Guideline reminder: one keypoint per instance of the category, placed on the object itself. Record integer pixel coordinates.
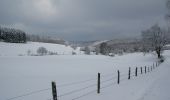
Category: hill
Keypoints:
(21, 49)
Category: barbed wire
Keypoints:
(108, 85)
(124, 78)
(75, 83)
(84, 95)
(106, 75)
(125, 74)
(27, 94)
(77, 90)
(83, 81)
(110, 79)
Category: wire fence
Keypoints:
(30, 93)
(108, 80)
(77, 90)
(88, 93)
(76, 83)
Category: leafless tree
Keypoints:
(87, 50)
(42, 51)
(154, 39)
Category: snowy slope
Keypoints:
(97, 43)
(15, 49)
(26, 74)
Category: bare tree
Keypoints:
(87, 50)
(154, 39)
(42, 51)
(97, 50)
(103, 48)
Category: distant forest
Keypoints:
(12, 35)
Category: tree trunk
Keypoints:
(158, 53)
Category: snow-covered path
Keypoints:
(160, 89)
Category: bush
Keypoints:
(42, 51)
(52, 53)
(73, 53)
(87, 50)
(29, 52)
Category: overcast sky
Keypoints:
(82, 19)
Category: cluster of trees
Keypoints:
(87, 50)
(42, 51)
(118, 47)
(18, 36)
(104, 48)
(153, 39)
(12, 35)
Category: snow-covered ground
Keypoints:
(19, 49)
(29, 77)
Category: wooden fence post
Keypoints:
(129, 73)
(98, 84)
(118, 79)
(136, 71)
(145, 69)
(54, 90)
(153, 66)
(141, 70)
(148, 69)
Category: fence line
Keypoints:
(121, 77)
(58, 86)
(114, 83)
(83, 81)
(125, 77)
(138, 71)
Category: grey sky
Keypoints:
(82, 19)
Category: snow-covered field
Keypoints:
(29, 77)
(19, 49)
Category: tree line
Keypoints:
(12, 35)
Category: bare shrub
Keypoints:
(42, 51)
